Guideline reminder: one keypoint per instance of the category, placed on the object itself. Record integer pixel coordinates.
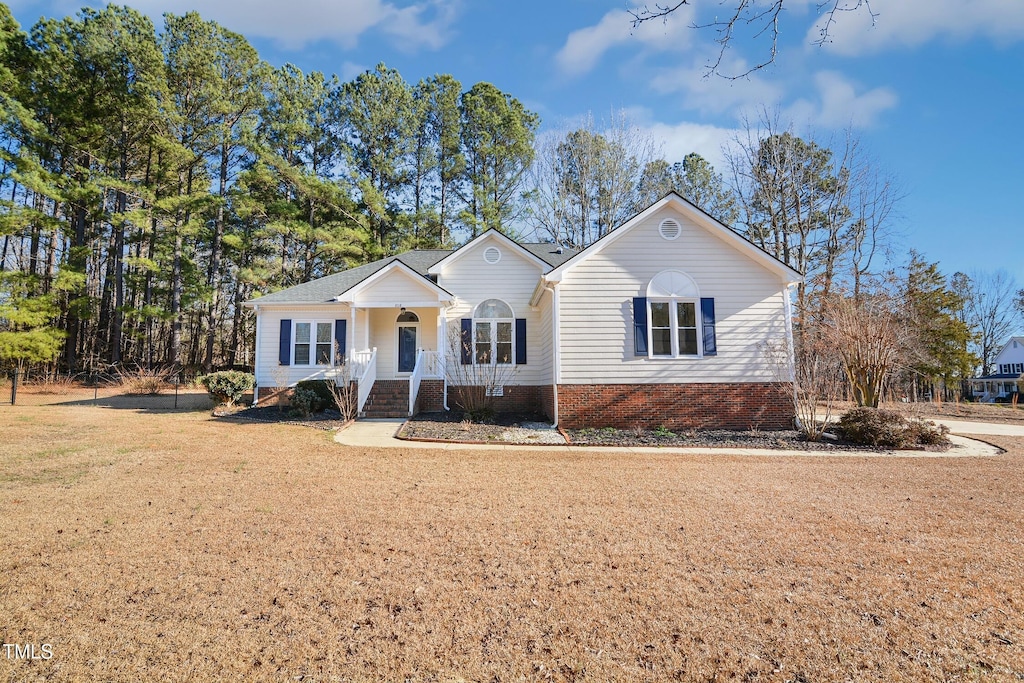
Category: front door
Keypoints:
(406, 348)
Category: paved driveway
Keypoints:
(970, 427)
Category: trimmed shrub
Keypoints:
(321, 389)
(227, 386)
(303, 401)
(926, 433)
(880, 428)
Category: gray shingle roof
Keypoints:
(325, 289)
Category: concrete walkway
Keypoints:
(381, 434)
(980, 428)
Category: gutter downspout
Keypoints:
(256, 361)
(791, 350)
(442, 357)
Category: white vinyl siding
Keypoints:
(541, 354)
(513, 279)
(1010, 357)
(268, 370)
(596, 309)
(396, 289)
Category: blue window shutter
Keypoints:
(640, 325)
(707, 317)
(284, 352)
(340, 327)
(467, 341)
(520, 341)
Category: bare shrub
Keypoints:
(811, 377)
(58, 385)
(474, 386)
(280, 376)
(344, 392)
(141, 382)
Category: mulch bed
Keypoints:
(327, 420)
(452, 427)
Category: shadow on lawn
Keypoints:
(159, 403)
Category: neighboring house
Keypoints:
(1008, 366)
(662, 322)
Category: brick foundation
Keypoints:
(270, 395)
(547, 401)
(431, 396)
(517, 398)
(675, 406)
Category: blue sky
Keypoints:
(933, 90)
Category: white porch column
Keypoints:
(442, 336)
(351, 341)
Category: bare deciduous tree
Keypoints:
(990, 311)
(869, 335)
(585, 181)
(761, 19)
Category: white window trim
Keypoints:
(494, 334)
(673, 312)
(312, 343)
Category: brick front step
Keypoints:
(387, 399)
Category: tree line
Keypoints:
(153, 180)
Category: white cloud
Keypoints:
(838, 104)
(910, 23)
(714, 94)
(676, 140)
(350, 70)
(296, 23)
(585, 47)
(681, 138)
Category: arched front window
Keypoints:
(672, 300)
(492, 333)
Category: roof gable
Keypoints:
(496, 237)
(1011, 353)
(700, 218)
(400, 269)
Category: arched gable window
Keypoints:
(493, 341)
(673, 302)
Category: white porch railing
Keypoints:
(364, 371)
(428, 364)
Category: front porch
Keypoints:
(398, 354)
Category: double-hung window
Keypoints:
(492, 333)
(314, 342)
(673, 328)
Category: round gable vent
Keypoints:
(670, 229)
(492, 254)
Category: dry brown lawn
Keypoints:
(148, 544)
